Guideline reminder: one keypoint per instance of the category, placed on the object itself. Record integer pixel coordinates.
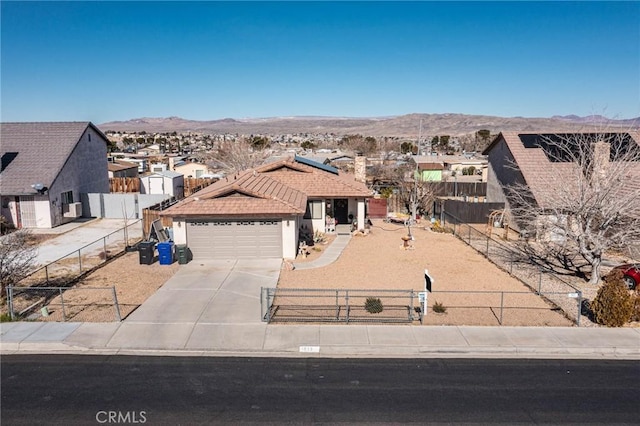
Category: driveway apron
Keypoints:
(212, 292)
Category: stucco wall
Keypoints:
(289, 237)
(84, 171)
(431, 175)
(179, 231)
(501, 172)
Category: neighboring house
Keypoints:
(458, 164)
(166, 182)
(267, 211)
(341, 161)
(191, 169)
(157, 167)
(430, 172)
(122, 169)
(518, 159)
(45, 169)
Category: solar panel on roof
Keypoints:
(315, 164)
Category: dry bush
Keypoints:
(635, 315)
(613, 305)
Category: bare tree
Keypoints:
(416, 194)
(235, 156)
(16, 258)
(588, 204)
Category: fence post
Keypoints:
(10, 297)
(411, 311)
(46, 272)
(337, 307)
(579, 309)
(115, 302)
(64, 313)
(510, 262)
(346, 299)
(104, 245)
(539, 279)
(487, 247)
(469, 226)
(501, 305)
(79, 261)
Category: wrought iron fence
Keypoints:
(545, 283)
(82, 304)
(337, 305)
(73, 265)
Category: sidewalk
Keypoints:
(348, 341)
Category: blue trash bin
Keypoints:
(165, 253)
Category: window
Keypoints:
(314, 210)
(199, 173)
(67, 197)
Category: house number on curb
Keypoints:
(310, 349)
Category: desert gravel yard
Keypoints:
(379, 261)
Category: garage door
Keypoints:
(231, 239)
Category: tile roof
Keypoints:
(277, 188)
(42, 150)
(540, 173)
(250, 194)
(313, 181)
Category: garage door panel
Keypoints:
(234, 239)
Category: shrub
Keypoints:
(613, 305)
(5, 317)
(437, 227)
(439, 308)
(373, 305)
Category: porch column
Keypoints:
(361, 217)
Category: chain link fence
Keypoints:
(71, 266)
(483, 308)
(85, 304)
(49, 292)
(544, 283)
(337, 305)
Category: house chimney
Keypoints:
(360, 168)
(601, 153)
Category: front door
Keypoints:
(341, 210)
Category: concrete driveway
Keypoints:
(204, 305)
(76, 235)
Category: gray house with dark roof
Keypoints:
(45, 167)
(525, 159)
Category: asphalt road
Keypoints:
(73, 390)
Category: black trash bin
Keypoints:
(146, 250)
(182, 252)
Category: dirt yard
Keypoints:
(134, 283)
(372, 262)
(380, 261)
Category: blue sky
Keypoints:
(104, 61)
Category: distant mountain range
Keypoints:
(401, 126)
